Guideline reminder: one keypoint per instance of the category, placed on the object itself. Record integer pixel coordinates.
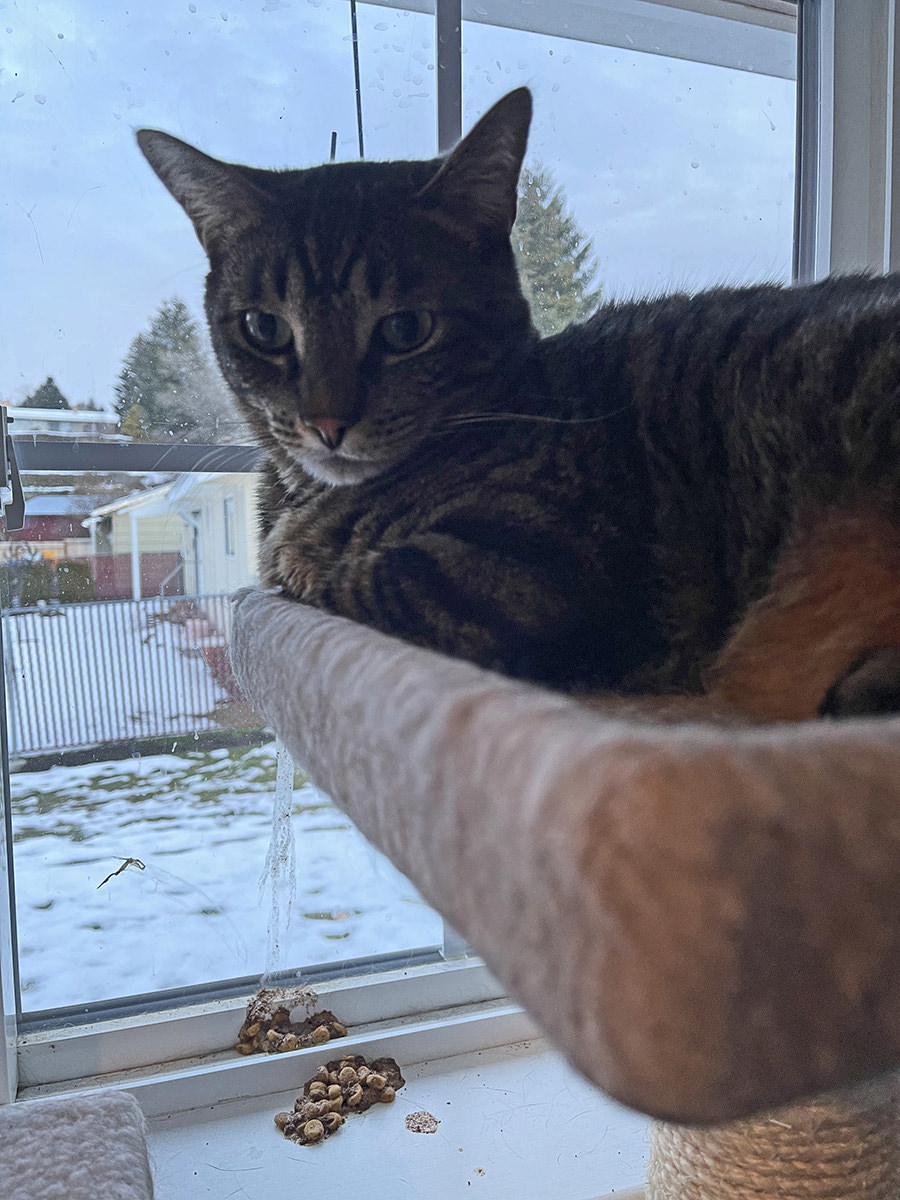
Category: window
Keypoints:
(124, 723)
(668, 132)
(683, 177)
(228, 525)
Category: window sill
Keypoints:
(201, 1036)
(515, 1121)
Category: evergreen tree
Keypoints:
(553, 254)
(168, 388)
(142, 377)
(134, 424)
(47, 395)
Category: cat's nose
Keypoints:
(330, 430)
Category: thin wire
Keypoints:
(355, 39)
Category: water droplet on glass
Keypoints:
(41, 99)
(381, 26)
(192, 8)
(61, 36)
(694, 164)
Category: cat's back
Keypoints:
(686, 330)
(743, 370)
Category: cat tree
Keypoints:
(706, 921)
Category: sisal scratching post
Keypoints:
(843, 1146)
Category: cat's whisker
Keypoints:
(484, 418)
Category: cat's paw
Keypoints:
(294, 562)
(297, 574)
(869, 687)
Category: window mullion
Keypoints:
(10, 1008)
(848, 205)
(892, 172)
(807, 186)
(448, 37)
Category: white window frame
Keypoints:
(847, 219)
(848, 194)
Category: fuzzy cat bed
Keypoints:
(706, 921)
(77, 1148)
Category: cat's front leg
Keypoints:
(297, 559)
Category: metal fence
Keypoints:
(82, 675)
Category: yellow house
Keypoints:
(220, 530)
(136, 525)
(209, 520)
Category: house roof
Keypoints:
(146, 499)
(59, 505)
(167, 498)
(21, 416)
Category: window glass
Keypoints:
(142, 786)
(680, 173)
(148, 872)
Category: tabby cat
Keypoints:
(696, 491)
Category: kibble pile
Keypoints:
(268, 1028)
(337, 1090)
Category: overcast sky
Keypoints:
(681, 173)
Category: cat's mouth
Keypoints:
(339, 466)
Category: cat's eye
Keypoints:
(405, 331)
(267, 332)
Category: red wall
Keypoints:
(112, 575)
(49, 529)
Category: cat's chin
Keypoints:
(340, 471)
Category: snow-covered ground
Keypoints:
(201, 824)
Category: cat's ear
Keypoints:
(475, 187)
(217, 197)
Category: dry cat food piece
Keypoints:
(338, 1088)
(268, 1028)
